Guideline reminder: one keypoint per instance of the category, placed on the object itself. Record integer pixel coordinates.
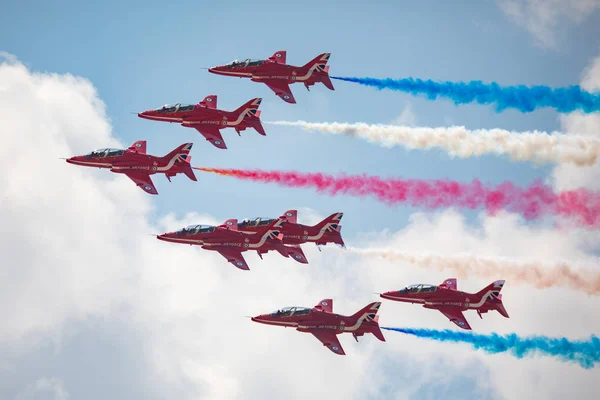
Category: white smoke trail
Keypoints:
(536, 146)
(537, 274)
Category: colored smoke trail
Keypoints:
(581, 205)
(460, 142)
(522, 98)
(584, 353)
(538, 274)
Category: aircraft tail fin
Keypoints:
(491, 293)
(332, 226)
(321, 72)
(181, 156)
(328, 222)
(251, 115)
(368, 317)
(178, 152)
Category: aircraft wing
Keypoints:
(457, 317)
(143, 180)
(212, 134)
(235, 257)
(329, 340)
(281, 89)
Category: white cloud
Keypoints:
(79, 255)
(545, 19)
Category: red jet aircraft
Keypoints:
(324, 324)
(277, 75)
(208, 120)
(451, 302)
(137, 165)
(230, 243)
(294, 234)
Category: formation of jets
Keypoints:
(283, 234)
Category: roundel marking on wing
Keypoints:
(148, 187)
(324, 303)
(138, 145)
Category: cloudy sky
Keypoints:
(93, 307)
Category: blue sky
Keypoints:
(145, 54)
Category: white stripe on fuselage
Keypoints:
(94, 164)
(426, 302)
(178, 240)
(218, 123)
(343, 328)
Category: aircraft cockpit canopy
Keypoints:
(260, 221)
(102, 153)
(195, 229)
(246, 63)
(290, 311)
(418, 288)
(175, 108)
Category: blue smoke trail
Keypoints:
(523, 98)
(585, 353)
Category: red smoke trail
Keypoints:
(531, 202)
